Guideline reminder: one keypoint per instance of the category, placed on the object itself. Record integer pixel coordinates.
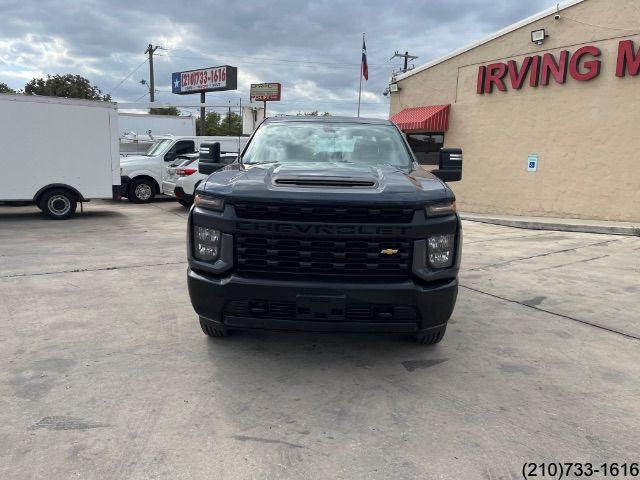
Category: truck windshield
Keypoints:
(355, 143)
(158, 147)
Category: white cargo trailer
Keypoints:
(57, 152)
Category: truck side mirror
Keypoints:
(170, 156)
(450, 167)
(209, 162)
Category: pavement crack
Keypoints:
(82, 270)
(505, 238)
(245, 438)
(570, 263)
(561, 315)
(573, 249)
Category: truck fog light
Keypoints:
(207, 243)
(440, 250)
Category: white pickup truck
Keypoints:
(141, 176)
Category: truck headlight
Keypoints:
(440, 209)
(440, 250)
(211, 203)
(206, 242)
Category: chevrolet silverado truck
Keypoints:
(325, 224)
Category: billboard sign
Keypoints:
(211, 79)
(265, 92)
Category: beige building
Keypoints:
(547, 112)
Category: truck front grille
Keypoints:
(323, 213)
(370, 257)
(276, 310)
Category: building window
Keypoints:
(426, 147)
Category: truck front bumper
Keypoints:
(237, 302)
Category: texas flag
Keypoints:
(364, 67)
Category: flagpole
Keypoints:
(360, 89)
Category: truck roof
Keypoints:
(328, 119)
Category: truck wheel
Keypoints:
(141, 191)
(431, 337)
(212, 331)
(58, 204)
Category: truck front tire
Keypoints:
(58, 204)
(141, 190)
(432, 336)
(212, 331)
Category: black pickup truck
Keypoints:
(326, 224)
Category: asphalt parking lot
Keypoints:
(107, 374)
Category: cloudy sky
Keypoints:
(312, 47)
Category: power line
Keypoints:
(276, 60)
(140, 97)
(607, 27)
(129, 75)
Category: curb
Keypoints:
(573, 226)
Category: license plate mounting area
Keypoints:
(321, 307)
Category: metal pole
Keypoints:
(360, 89)
(265, 108)
(152, 84)
(241, 126)
(202, 115)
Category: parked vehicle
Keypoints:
(177, 172)
(132, 143)
(144, 123)
(326, 224)
(188, 179)
(58, 152)
(138, 131)
(142, 175)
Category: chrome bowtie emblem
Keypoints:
(389, 251)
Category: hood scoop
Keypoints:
(325, 181)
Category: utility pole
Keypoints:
(406, 57)
(150, 50)
(203, 114)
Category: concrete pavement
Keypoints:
(107, 374)
(558, 224)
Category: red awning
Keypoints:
(431, 119)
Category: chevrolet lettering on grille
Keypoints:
(321, 229)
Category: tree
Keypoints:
(165, 111)
(69, 86)
(211, 123)
(4, 88)
(231, 125)
(214, 124)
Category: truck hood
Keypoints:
(134, 159)
(327, 183)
